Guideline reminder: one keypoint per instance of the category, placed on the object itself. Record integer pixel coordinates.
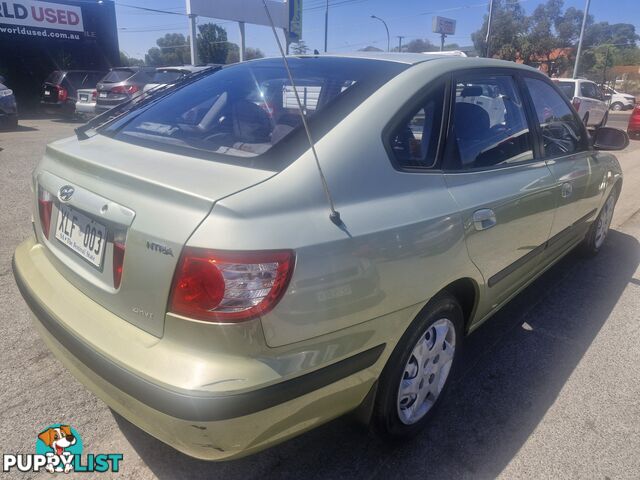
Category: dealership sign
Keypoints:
(53, 16)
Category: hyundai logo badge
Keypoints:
(65, 193)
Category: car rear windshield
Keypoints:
(246, 110)
(567, 88)
(118, 75)
(167, 76)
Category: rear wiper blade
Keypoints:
(137, 102)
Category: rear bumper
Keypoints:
(85, 108)
(204, 424)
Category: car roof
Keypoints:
(573, 80)
(455, 62)
(184, 68)
(408, 58)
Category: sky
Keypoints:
(350, 24)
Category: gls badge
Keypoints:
(156, 247)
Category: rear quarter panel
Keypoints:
(402, 239)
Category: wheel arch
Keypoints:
(467, 292)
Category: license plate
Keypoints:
(84, 236)
(47, 93)
(103, 94)
(84, 98)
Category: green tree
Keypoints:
(568, 26)
(249, 53)
(127, 61)
(172, 49)
(508, 31)
(607, 45)
(299, 48)
(419, 45)
(371, 48)
(213, 46)
(540, 39)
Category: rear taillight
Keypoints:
(45, 204)
(130, 89)
(94, 95)
(576, 103)
(62, 93)
(119, 242)
(229, 287)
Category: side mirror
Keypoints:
(607, 138)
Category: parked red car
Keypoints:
(633, 129)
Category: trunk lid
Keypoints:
(150, 200)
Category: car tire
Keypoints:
(423, 361)
(599, 229)
(617, 107)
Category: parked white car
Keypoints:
(587, 99)
(618, 101)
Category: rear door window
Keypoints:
(489, 123)
(568, 89)
(561, 132)
(589, 90)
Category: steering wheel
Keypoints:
(559, 138)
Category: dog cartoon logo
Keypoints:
(60, 443)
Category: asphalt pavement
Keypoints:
(619, 119)
(550, 387)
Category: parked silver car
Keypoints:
(197, 267)
(120, 85)
(86, 102)
(165, 76)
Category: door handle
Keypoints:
(567, 190)
(484, 219)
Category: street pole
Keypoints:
(604, 70)
(242, 42)
(584, 23)
(193, 40)
(400, 37)
(387, 29)
(442, 37)
(487, 40)
(326, 25)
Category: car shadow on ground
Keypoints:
(19, 128)
(513, 369)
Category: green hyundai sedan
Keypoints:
(225, 286)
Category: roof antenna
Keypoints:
(334, 216)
